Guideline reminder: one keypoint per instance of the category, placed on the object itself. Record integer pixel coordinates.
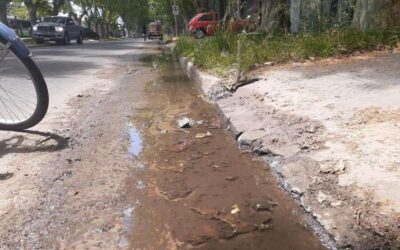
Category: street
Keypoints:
(111, 168)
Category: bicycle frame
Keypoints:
(9, 38)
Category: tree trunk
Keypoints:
(107, 30)
(32, 10)
(274, 15)
(3, 11)
(102, 30)
(295, 10)
(345, 12)
(376, 14)
(56, 8)
(33, 14)
(202, 5)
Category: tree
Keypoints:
(376, 14)
(32, 6)
(274, 15)
(56, 6)
(3, 10)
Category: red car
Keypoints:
(206, 24)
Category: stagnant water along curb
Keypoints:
(209, 85)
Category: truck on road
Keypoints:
(59, 29)
(154, 31)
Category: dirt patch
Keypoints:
(64, 189)
(373, 115)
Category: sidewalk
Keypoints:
(331, 132)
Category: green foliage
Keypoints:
(219, 53)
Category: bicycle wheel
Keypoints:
(24, 97)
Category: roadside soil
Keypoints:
(330, 129)
(63, 185)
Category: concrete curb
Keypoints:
(204, 81)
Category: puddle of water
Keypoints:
(135, 141)
(123, 242)
(127, 225)
(138, 165)
(193, 182)
(140, 185)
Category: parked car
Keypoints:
(90, 34)
(205, 24)
(154, 31)
(59, 29)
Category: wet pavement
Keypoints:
(194, 187)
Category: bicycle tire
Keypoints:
(42, 96)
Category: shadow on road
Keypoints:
(32, 141)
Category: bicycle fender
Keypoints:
(14, 41)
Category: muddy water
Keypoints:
(195, 188)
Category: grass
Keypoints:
(221, 52)
(28, 41)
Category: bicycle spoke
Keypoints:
(18, 98)
(7, 109)
(10, 100)
(4, 52)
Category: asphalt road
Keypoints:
(69, 70)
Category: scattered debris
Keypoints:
(71, 161)
(235, 209)
(266, 224)
(231, 178)
(185, 122)
(321, 197)
(266, 205)
(201, 211)
(175, 170)
(176, 194)
(203, 135)
(330, 167)
(337, 204)
(200, 122)
(181, 146)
